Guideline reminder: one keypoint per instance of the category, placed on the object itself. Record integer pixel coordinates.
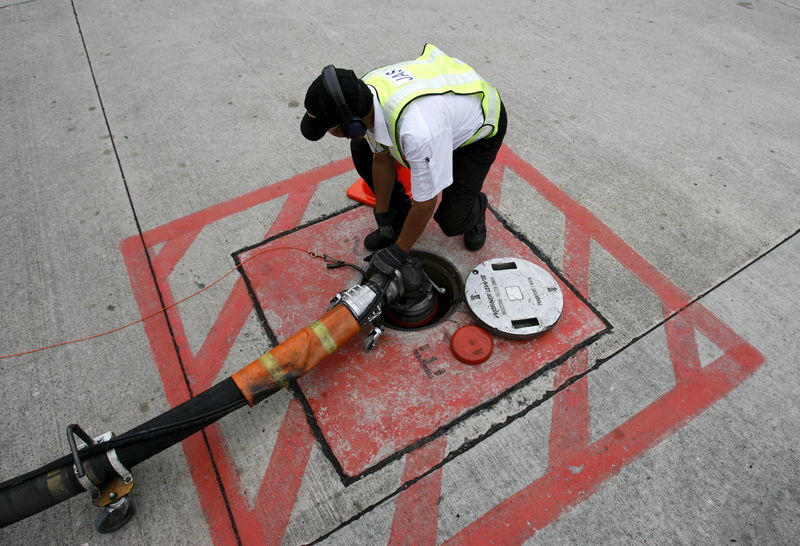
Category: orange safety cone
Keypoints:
(361, 193)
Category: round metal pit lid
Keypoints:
(513, 298)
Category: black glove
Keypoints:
(393, 258)
(388, 260)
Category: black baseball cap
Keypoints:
(321, 112)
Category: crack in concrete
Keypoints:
(18, 4)
(696, 299)
(110, 133)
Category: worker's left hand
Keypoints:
(388, 260)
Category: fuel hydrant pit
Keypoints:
(443, 274)
(369, 408)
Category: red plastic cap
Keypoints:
(471, 344)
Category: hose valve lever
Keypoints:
(110, 496)
(72, 431)
(372, 338)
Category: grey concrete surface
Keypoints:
(64, 211)
(677, 125)
(731, 474)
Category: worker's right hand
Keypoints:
(387, 260)
(392, 259)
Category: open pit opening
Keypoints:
(444, 275)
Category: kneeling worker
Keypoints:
(435, 115)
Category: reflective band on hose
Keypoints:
(324, 336)
(56, 485)
(273, 369)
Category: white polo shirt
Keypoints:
(430, 128)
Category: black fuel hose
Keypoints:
(55, 482)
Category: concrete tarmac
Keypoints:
(651, 163)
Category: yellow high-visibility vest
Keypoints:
(433, 73)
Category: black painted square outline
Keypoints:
(311, 419)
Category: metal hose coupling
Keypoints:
(366, 301)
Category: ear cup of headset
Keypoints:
(355, 128)
(352, 126)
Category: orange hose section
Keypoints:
(296, 355)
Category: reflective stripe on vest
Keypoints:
(434, 73)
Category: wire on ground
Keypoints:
(324, 257)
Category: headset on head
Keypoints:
(352, 126)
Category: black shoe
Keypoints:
(475, 237)
(380, 238)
